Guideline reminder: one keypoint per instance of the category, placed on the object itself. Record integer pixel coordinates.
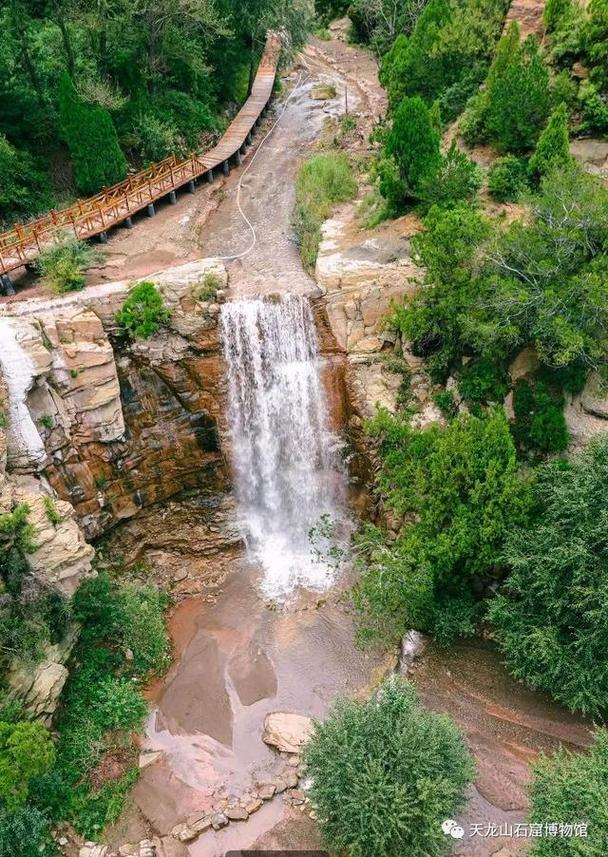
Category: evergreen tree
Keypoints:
(518, 96)
(408, 68)
(555, 12)
(91, 137)
(413, 142)
(553, 147)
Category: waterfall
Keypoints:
(286, 462)
(25, 446)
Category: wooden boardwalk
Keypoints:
(94, 216)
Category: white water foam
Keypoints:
(25, 445)
(286, 461)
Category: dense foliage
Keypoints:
(123, 642)
(91, 138)
(322, 181)
(143, 313)
(82, 86)
(32, 615)
(550, 621)
(446, 55)
(458, 490)
(493, 290)
(579, 34)
(573, 788)
(26, 751)
(385, 774)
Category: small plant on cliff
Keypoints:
(385, 774)
(573, 787)
(62, 265)
(323, 181)
(51, 510)
(208, 288)
(143, 313)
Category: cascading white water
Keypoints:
(286, 461)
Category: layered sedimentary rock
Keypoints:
(120, 427)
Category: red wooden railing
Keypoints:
(95, 215)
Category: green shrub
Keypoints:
(26, 751)
(446, 55)
(323, 181)
(461, 487)
(24, 833)
(385, 774)
(94, 812)
(391, 189)
(519, 99)
(409, 69)
(573, 787)
(516, 101)
(432, 319)
(555, 12)
(143, 313)
(123, 642)
(208, 287)
(549, 620)
(458, 178)
(539, 417)
(128, 616)
(91, 137)
(24, 189)
(483, 381)
(553, 147)
(544, 281)
(594, 107)
(508, 179)
(63, 263)
(413, 144)
(446, 403)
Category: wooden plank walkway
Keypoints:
(95, 215)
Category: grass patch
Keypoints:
(323, 92)
(323, 181)
(373, 210)
(51, 510)
(323, 34)
(63, 263)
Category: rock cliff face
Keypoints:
(98, 431)
(115, 429)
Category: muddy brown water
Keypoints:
(236, 660)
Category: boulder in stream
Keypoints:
(287, 732)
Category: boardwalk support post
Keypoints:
(103, 237)
(191, 186)
(237, 158)
(172, 197)
(129, 222)
(226, 168)
(210, 176)
(249, 138)
(150, 210)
